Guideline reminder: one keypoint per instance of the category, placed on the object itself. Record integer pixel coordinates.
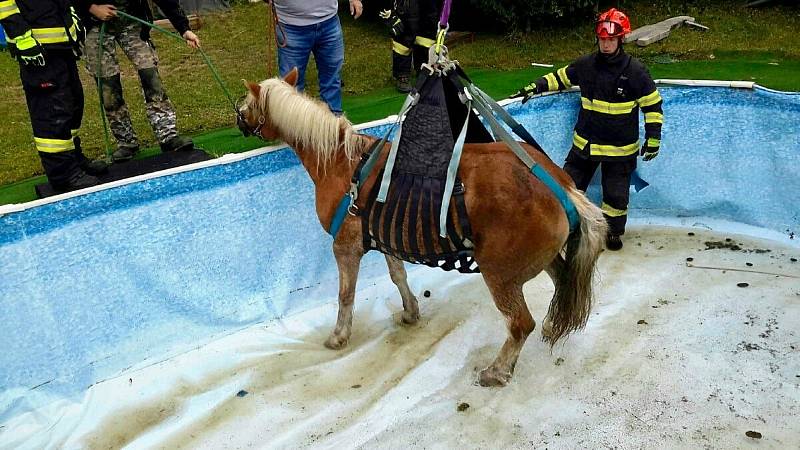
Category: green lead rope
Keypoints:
(99, 79)
(98, 72)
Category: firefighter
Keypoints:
(134, 39)
(45, 36)
(413, 25)
(614, 87)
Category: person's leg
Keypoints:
(299, 42)
(580, 169)
(616, 178)
(402, 48)
(76, 90)
(425, 35)
(50, 104)
(159, 109)
(107, 69)
(329, 55)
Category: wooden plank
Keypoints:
(195, 23)
(458, 37)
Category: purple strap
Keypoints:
(445, 13)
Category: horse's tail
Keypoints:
(572, 301)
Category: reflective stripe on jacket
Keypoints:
(49, 21)
(613, 90)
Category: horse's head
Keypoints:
(253, 115)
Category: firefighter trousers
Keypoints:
(55, 102)
(615, 180)
(410, 46)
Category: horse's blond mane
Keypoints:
(304, 122)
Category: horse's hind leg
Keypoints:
(509, 300)
(348, 263)
(398, 273)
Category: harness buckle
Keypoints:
(353, 209)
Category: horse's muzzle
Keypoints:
(242, 124)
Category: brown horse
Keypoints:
(518, 226)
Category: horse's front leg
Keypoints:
(397, 272)
(348, 262)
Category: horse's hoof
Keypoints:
(335, 342)
(409, 318)
(491, 376)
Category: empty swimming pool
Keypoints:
(123, 281)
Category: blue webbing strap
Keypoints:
(561, 195)
(338, 216)
(499, 131)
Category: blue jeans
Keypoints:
(325, 40)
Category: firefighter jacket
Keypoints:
(52, 23)
(613, 89)
(139, 8)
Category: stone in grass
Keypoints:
(753, 434)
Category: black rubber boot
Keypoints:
(98, 167)
(403, 84)
(80, 180)
(177, 144)
(613, 242)
(94, 168)
(123, 154)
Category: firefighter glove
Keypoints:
(28, 50)
(394, 22)
(526, 93)
(649, 152)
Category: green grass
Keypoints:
(743, 44)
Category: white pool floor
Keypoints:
(672, 357)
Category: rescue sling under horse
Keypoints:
(518, 226)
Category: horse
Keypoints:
(519, 228)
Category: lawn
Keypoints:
(743, 44)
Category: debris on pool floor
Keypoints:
(673, 354)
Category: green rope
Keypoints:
(180, 38)
(100, 91)
(98, 72)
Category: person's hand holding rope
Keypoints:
(191, 39)
(103, 13)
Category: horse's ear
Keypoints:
(291, 77)
(254, 88)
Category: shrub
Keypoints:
(522, 15)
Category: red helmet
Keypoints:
(612, 23)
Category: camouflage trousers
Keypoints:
(160, 111)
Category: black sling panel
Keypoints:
(414, 199)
